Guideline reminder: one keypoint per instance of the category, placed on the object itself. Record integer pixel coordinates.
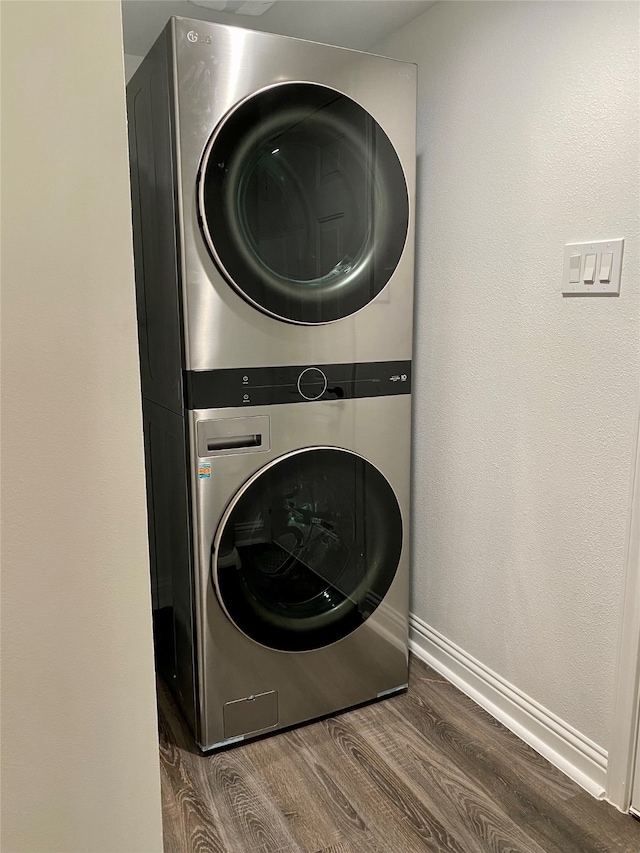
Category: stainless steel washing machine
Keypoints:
(273, 186)
(280, 544)
(272, 195)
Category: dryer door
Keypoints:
(307, 549)
(303, 203)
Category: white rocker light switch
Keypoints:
(574, 268)
(605, 267)
(589, 269)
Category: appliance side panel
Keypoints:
(170, 550)
(154, 228)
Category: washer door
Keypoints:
(307, 549)
(303, 203)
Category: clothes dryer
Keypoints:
(273, 185)
(280, 546)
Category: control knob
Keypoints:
(312, 383)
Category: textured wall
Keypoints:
(79, 733)
(525, 400)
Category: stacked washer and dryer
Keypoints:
(272, 185)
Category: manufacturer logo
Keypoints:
(193, 36)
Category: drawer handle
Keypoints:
(232, 442)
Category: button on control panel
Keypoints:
(312, 383)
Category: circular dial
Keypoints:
(312, 383)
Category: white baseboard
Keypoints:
(567, 749)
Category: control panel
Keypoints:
(264, 386)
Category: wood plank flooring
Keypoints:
(425, 771)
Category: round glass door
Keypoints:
(307, 549)
(303, 203)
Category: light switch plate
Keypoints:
(597, 287)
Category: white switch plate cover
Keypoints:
(598, 288)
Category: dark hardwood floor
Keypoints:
(423, 771)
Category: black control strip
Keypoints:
(264, 386)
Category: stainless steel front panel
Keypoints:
(217, 67)
(370, 660)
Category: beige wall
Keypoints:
(79, 743)
(525, 401)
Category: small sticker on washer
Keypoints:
(204, 470)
